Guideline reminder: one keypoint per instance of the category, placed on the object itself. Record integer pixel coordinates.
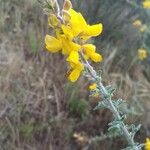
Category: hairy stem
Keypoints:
(107, 96)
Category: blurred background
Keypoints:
(40, 109)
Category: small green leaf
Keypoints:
(102, 104)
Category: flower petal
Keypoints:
(74, 46)
(67, 31)
(96, 57)
(78, 66)
(77, 18)
(76, 71)
(73, 57)
(74, 75)
(52, 44)
(93, 30)
(89, 49)
(69, 46)
(77, 22)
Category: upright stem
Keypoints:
(114, 110)
(118, 117)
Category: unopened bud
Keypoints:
(66, 16)
(53, 20)
(67, 5)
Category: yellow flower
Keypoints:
(92, 86)
(68, 32)
(89, 50)
(78, 27)
(74, 75)
(73, 57)
(147, 144)
(96, 57)
(146, 4)
(142, 54)
(68, 46)
(137, 23)
(77, 22)
(52, 44)
(96, 93)
(76, 71)
(60, 43)
(92, 30)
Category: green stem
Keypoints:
(118, 117)
(106, 95)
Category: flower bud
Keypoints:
(66, 16)
(67, 5)
(142, 54)
(53, 20)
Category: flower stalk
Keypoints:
(108, 97)
(71, 36)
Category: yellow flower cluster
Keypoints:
(146, 4)
(147, 144)
(142, 54)
(137, 23)
(70, 38)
